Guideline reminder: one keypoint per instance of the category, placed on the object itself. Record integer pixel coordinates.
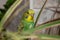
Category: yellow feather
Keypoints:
(30, 18)
(29, 15)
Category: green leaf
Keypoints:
(9, 3)
(7, 6)
(8, 13)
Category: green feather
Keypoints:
(27, 25)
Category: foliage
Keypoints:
(6, 7)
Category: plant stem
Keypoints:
(40, 13)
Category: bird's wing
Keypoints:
(20, 27)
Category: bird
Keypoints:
(27, 21)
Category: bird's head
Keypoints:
(29, 15)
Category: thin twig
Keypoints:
(40, 13)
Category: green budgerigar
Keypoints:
(27, 21)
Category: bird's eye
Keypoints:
(27, 12)
(26, 17)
